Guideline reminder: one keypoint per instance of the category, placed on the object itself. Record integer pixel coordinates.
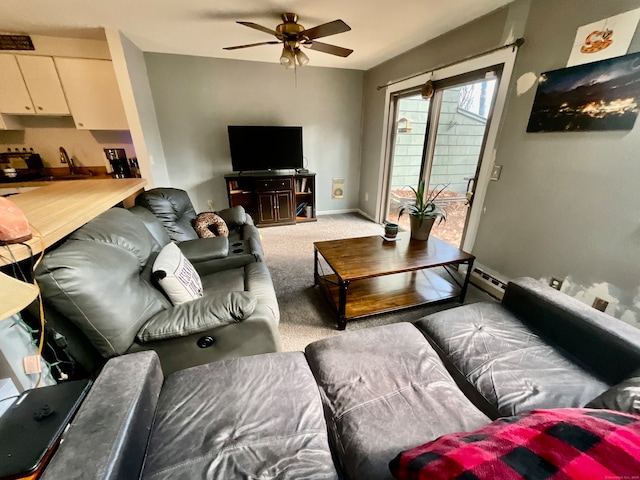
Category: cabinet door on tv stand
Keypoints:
(267, 209)
(275, 208)
(285, 207)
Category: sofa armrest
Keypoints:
(234, 216)
(607, 345)
(198, 315)
(108, 437)
(203, 249)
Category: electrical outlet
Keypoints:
(210, 204)
(555, 283)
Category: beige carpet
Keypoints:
(305, 315)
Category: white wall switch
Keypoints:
(495, 172)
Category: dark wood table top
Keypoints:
(366, 257)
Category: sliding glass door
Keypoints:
(441, 140)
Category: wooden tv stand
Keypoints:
(274, 198)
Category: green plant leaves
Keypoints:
(424, 206)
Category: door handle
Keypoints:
(470, 184)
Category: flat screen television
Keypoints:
(255, 148)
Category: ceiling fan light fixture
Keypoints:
(301, 57)
(293, 35)
(287, 58)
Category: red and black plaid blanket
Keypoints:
(559, 444)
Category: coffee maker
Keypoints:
(118, 160)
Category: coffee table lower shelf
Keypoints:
(387, 293)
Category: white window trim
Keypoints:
(506, 57)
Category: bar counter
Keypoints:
(59, 208)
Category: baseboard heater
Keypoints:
(490, 284)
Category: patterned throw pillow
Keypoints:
(569, 443)
(176, 275)
(208, 224)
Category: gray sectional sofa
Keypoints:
(99, 293)
(351, 402)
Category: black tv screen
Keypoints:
(265, 147)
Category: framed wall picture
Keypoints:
(602, 95)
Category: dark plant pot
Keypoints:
(421, 232)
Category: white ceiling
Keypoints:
(381, 29)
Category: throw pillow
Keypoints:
(542, 444)
(624, 397)
(208, 224)
(176, 275)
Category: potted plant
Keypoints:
(424, 212)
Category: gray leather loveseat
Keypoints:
(351, 402)
(173, 210)
(99, 293)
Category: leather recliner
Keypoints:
(98, 287)
(173, 208)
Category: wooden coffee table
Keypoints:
(370, 275)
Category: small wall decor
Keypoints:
(607, 38)
(602, 95)
(337, 188)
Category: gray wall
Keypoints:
(196, 98)
(475, 37)
(567, 203)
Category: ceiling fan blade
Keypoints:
(260, 27)
(332, 49)
(326, 29)
(274, 42)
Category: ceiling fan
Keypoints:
(293, 35)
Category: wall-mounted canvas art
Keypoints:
(602, 95)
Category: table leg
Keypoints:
(315, 267)
(463, 291)
(342, 304)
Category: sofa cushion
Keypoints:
(624, 396)
(249, 417)
(176, 275)
(79, 280)
(543, 444)
(208, 224)
(152, 223)
(173, 208)
(507, 362)
(385, 390)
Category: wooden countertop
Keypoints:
(14, 295)
(43, 182)
(61, 207)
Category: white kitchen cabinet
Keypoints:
(43, 84)
(14, 96)
(29, 85)
(92, 93)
